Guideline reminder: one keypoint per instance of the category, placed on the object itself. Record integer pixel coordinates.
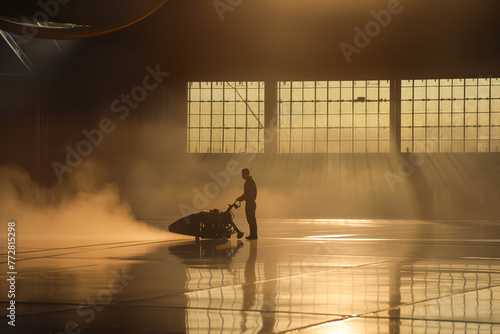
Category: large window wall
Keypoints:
(450, 115)
(333, 116)
(437, 115)
(225, 117)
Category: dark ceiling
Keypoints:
(277, 40)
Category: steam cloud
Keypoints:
(82, 208)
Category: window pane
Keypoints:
(339, 125)
(230, 118)
(450, 115)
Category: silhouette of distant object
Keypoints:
(249, 196)
(208, 224)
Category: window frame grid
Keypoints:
(455, 143)
(198, 144)
(382, 144)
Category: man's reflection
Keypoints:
(269, 294)
(249, 288)
(269, 288)
(394, 298)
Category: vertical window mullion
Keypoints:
(258, 116)
(211, 115)
(341, 141)
(490, 148)
(426, 112)
(235, 114)
(477, 116)
(439, 117)
(291, 122)
(328, 117)
(246, 117)
(340, 125)
(413, 116)
(366, 117)
(378, 116)
(353, 129)
(302, 118)
(464, 134)
(315, 115)
(452, 113)
(223, 117)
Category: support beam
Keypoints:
(271, 109)
(18, 51)
(395, 116)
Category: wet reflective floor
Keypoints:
(303, 276)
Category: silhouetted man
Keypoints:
(249, 197)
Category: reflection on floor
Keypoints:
(309, 276)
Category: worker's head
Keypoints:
(245, 173)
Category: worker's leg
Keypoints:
(250, 208)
